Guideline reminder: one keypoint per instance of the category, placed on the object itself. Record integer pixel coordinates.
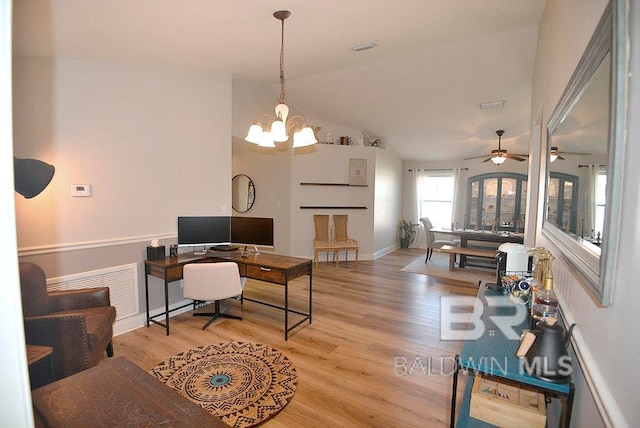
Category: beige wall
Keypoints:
(153, 143)
(606, 385)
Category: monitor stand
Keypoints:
(245, 253)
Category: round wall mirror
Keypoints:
(243, 193)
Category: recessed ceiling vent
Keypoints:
(491, 104)
(364, 47)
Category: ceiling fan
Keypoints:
(499, 155)
(554, 154)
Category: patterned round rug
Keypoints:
(241, 383)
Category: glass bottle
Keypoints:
(537, 273)
(545, 302)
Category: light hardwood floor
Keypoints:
(363, 362)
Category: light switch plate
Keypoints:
(81, 190)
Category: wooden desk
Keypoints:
(116, 393)
(272, 268)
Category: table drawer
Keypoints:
(266, 274)
(174, 273)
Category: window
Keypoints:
(601, 199)
(435, 198)
(497, 199)
(562, 201)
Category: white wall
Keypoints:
(324, 163)
(387, 201)
(605, 338)
(151, 142)
(15, 398)
(270, 171)
(154, 143)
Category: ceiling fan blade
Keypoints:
(561, 158)
(487, 159)
(574, 153)
(514, 157)
(476, 157)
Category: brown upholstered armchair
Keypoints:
(77, 324)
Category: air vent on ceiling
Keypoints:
(491, 104)
(363, 47)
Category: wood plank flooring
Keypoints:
(363, 362)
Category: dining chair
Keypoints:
(432, 242)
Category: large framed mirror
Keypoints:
(243, 193)
(584, 152)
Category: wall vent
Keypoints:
(121, 280)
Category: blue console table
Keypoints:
(494, 354)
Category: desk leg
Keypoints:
(166, 303)
(454, 392)
(146, 293)
(286, 309)
(310, 292)
(567, 407)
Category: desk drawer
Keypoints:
(174, 273)
(266, 274)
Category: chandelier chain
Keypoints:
(282, 99)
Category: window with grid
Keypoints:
(436, 198)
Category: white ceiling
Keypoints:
(419, 90)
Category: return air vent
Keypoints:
(121, 280)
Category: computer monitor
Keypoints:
(204, 230)
(252, 231)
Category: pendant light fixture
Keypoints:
(267, 129)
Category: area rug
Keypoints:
(241, 383)
(439, 266)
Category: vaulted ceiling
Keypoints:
(419, 89)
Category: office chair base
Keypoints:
(215, 315)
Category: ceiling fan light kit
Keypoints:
(555, 154)
(499, 156)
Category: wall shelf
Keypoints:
(334, 184)
(326, 207)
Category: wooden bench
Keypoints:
(477, 252)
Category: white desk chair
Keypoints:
(212, 282)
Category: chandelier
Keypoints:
(267, 129)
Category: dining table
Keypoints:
(466, 235)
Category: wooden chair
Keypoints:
(432, 242)
(322, 241)
(342, 240)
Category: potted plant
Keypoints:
(408, 233)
